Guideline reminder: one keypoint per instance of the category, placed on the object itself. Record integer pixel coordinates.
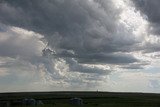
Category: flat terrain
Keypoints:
(90, 99)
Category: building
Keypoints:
(76, 101)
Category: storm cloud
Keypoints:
(84, 27)
(150, 9)
(77, 41)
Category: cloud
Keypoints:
(134, 82)
(16, 42)
(133, 67)
(66, 41)
(84, 27)
(151, 10)
(23, 52)
(74, 66)
(155, 84)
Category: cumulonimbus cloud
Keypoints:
(77, 33)
(84, 27)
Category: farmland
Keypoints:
(90, 99)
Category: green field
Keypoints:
(90, 99)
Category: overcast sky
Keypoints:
(58, 45)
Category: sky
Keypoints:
(80, 45)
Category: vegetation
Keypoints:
(90, 99)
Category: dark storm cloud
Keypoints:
(87, 31)
(107, 58)
(100, 58)
(151, 9)
(74, 66)
(134, 66)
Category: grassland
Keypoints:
(90, 99)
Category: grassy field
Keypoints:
(90, 99)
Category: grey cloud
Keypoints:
(133, 66)
(14, 44)
(2, 28)
(151, 47)
(83, 27)
(108, 58)
(74, 66)
(101, 58)
(151, 9)
(77, 31)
